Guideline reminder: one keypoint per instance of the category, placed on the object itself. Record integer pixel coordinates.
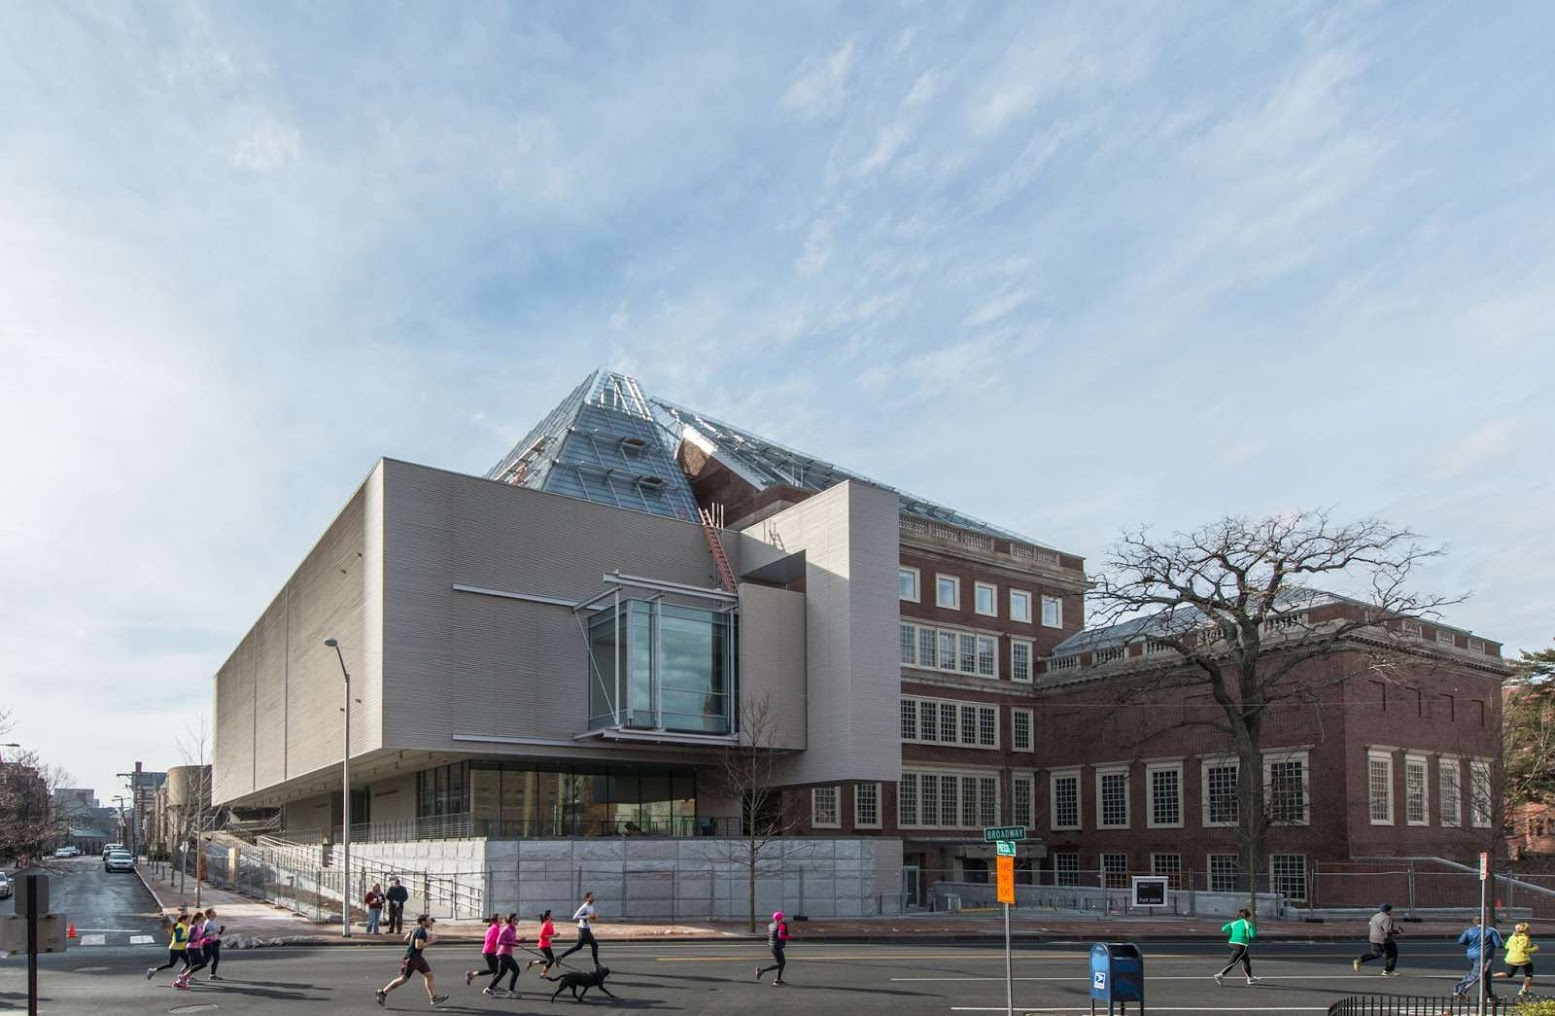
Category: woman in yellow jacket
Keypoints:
(1519, 957)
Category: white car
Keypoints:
(67, 852)
(119, 860)
(5, 885)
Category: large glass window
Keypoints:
(1220, 792)
(1379, 788)
(656, 665)
(505, 801)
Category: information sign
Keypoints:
(993, 834)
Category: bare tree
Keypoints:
(748, 774)
(1528, 731)
(1230, 608)
(194, 817)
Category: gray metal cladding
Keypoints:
(772, 660)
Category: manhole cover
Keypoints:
(202, 1007)
(90, 970)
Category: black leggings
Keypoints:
(777, 954)
(197, 960)
(509, 966)
(213, 953)
(585, 938)
(491, 964)
(1238, 955)
(174, 957)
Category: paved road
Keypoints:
(715, 978)
(108, 909)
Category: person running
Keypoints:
(194, 950)
(396, 897)
(506, 940)
(415, 962)
(547, 932)
(1519, 956)
(488, 949)
(1482, 944)
(374, 901)
(1242, 934)
(177, 946)
(1380, 933)
(585, 915)
(777, 941)
(213, 933)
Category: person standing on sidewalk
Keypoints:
(777, 941)
(585, 915)
(415, 962)
(1482, 944)
(397, 896)
(488, 950)
(1380, 933)
(1242, 933)
(373, 901)
(547, 933)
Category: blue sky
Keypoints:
(1066, 267)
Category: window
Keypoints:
(823, 808)
(1221, 806)
(928, 804)
(926, 647)
(1449, 780)
(945, 722)
(1446, 637)
(968, 659)
(987, 656)
(1165, 795)
(907, 584)
(988, 726)
(928, 713)
(1020, 661)
(907, 800)
(1064, 789)
(1479, 793)
(1379, 787)
(909, 719)
(1020, 729)
(987, 801)
(968, 724)
(947, 650)
(1225, 873)
(1066, 868)
(1168, 865)
(1414, 791)
(1020, 605)
(909, 641)
(1285, 787)
(1112, 798)
(1052, 612)
(1476, 645)
(866, 806)
(1022, 791)
(945, 800)
(1288, 875)
(1409, 627)
(1114, 871)
(948, 730)
(947, 592)
(674, 666)
(985, 599)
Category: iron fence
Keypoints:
(1420, 1005)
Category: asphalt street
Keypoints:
(109, 909)
(708, 978)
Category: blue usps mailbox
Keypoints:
(1117, 976)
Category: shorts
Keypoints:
(414, 965)
(1526, 968)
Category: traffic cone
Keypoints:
(71, 931)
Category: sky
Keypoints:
(1067, 267)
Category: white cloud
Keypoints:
(268, 147)
(820, 87)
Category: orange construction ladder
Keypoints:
(715, 544)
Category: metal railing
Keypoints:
(1420, 1005)
(459, 827)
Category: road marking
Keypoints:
(1153, 1008)
(94, 940)
(1169, 977)
(141, 939)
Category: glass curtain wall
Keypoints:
(662, 666)
(509, 801)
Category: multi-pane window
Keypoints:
(1052, 612)
(866, 805)
(985, 599)
(1169, 866)
(1066, 868)
(1020, 605)
(928, 788)
(1288, 875)
(949, 814)
(987, 727)
(1286, 781)
(1022, 789)
(947, 651)
(1479, 793)
(1020, 661)
(823, 807)
(1114, 870)
(1449, 779)
(1225, 873)
(943, 722)
(1379, 788)
(926, 647)
(968, 725)
(1165, 795)
(909, 644)
(947, 592)
(949, 732)
(943, 800)
(1220, 797)
(907, 799)
(1020, 729)
(907, 584)
(987, 656)
(1065, 793)
(1414, 791)
(1112, 799)
(987, 801)
(928, 716)
(967, 661)
(909, 720)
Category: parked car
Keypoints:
(119, 860)
(110, 848)
(67, 852)
(5, 885)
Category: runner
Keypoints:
(1482, 944)
(547, 932)
(415, 961)
(396, 897)
(777, 941)
(1519, 957)
(488, 950)
(585, 914)
(1242, 934)
(505, 943)
(213, 941)
(1380, 933)
(195, 951)
(177, 946)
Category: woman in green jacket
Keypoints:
(1242, 934)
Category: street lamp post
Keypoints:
(345, 798)
(135, 809)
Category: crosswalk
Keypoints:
(113, 937)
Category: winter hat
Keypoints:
(1385, 907)
(778, 916)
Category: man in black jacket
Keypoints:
(397, 896)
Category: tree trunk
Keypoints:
(1252, 822)
(751, 887)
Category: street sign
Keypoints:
(1005, 848)
(51, 933)
(993, 834)
(1484, 866)
(1149, 891)
(1006, 879)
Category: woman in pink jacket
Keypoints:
(505, 943)
(488, 949)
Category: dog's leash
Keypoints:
(559, 963)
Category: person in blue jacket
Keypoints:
(1482, 944)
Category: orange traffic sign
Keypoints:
(1006, 879)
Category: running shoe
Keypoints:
(381, 996)
(1390, 973)
(1254, 980)
(758, 975)
(1356, 965)
(1220, 978)
(151, 972)
(469, 975)
(439, 999)
(779, 984)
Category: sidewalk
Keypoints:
(251, 924)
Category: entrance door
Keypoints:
(912, 885)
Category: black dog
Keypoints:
(575, 979)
